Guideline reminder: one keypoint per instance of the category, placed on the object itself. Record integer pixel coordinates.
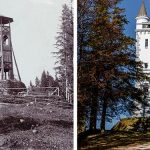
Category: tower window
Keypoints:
(144, 26)
(146, 43)
(146, 65)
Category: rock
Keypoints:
(21, 120)
(34, 131)
(31, 103)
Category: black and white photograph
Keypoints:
(36, 74)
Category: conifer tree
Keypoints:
(43, 79)
(64, 44)
(109, 70)
(50, 80)
(31, 85)
(37, 82)
(83, 27)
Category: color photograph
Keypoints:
(113, 90)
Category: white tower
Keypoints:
(143, 46)
(143, 37)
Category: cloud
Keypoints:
(49, 2)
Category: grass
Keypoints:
(135, 130)
(44, 124)
(125, 124)
(133, 124)
(112, 140)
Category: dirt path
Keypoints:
(134, 147)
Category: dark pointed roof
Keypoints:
(142, 11)
(5, 20)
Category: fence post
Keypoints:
(58, 91)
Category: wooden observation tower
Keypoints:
(6, 51)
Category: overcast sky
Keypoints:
(33, 34)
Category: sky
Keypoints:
(34, 30)
(35, 26)
(131, 11)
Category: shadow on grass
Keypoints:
(19, 123)
(11, 124)
(110, 140)
(13, 100)
(59, 123)
(67, 106)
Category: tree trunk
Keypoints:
(93, 118)
(93, 115)
(81, 119)
(103, 117)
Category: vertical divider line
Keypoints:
(2, 57)
(75, 76)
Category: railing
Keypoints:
(69, 97)
(48, 91)
(37, 92)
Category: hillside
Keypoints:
(126, 134)
(29, 123)
(133, 124)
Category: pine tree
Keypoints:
(31, 85)
(37, 82)
(64, 44)
(43, 79)
(109, 70)
(83, 27)
(50, 80)
(87, 100)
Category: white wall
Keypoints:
(142, 52)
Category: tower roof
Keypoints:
(5, 20)
(142, 11)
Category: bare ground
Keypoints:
(44, 124)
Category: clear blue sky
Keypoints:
(132, 8)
